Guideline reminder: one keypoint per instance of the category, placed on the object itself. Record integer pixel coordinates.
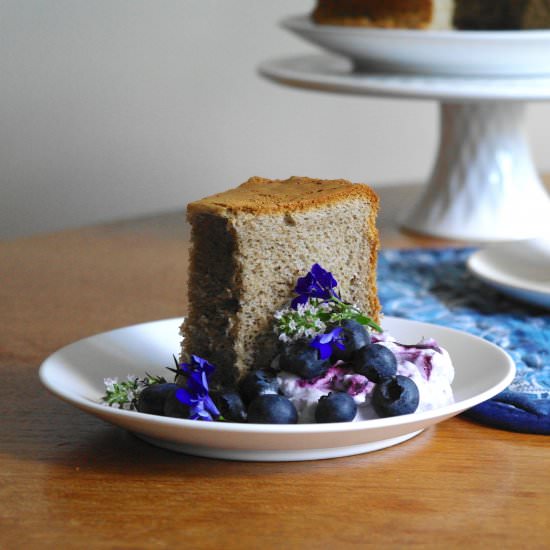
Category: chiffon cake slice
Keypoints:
(249, 246)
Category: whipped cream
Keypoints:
(426, 363)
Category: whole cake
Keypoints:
(435, 14)
(251, 243)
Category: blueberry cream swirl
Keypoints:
(426, 364)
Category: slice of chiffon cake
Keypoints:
(249, 246)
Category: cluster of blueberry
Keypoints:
(392, 395)
(258, 399)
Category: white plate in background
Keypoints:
(520, 269)
(460, 53)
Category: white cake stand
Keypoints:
(484, 185)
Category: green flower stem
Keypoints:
(349, 312)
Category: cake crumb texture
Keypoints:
(249, 246)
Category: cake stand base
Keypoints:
(484, 185)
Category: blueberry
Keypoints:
(257, 382)
(354, 336)
(376, 362)
(301, 359)
(151, 399)
(395, 396)
(174, 407)
(272, 409)
(230, 405)
(336, 407)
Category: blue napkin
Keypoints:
(434, 286)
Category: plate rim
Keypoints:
(328, 72)
(476, 263)
(92, 407)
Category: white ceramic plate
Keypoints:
(520, 269)
(466, 53)
(76, 372)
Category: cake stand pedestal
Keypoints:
(483, 185)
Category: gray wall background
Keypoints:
(116, 108)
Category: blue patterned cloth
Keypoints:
(434, 286)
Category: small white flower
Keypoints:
(319, 324)
(110, 383)
(279, 314)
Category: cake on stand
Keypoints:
(484, 186)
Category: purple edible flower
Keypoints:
(198, 364)
(195, 395)
(201, 406)
(318, 283)
(325, 343)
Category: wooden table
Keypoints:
(69, 480)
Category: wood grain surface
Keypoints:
(70, 480)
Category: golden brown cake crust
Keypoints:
(295, 194)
